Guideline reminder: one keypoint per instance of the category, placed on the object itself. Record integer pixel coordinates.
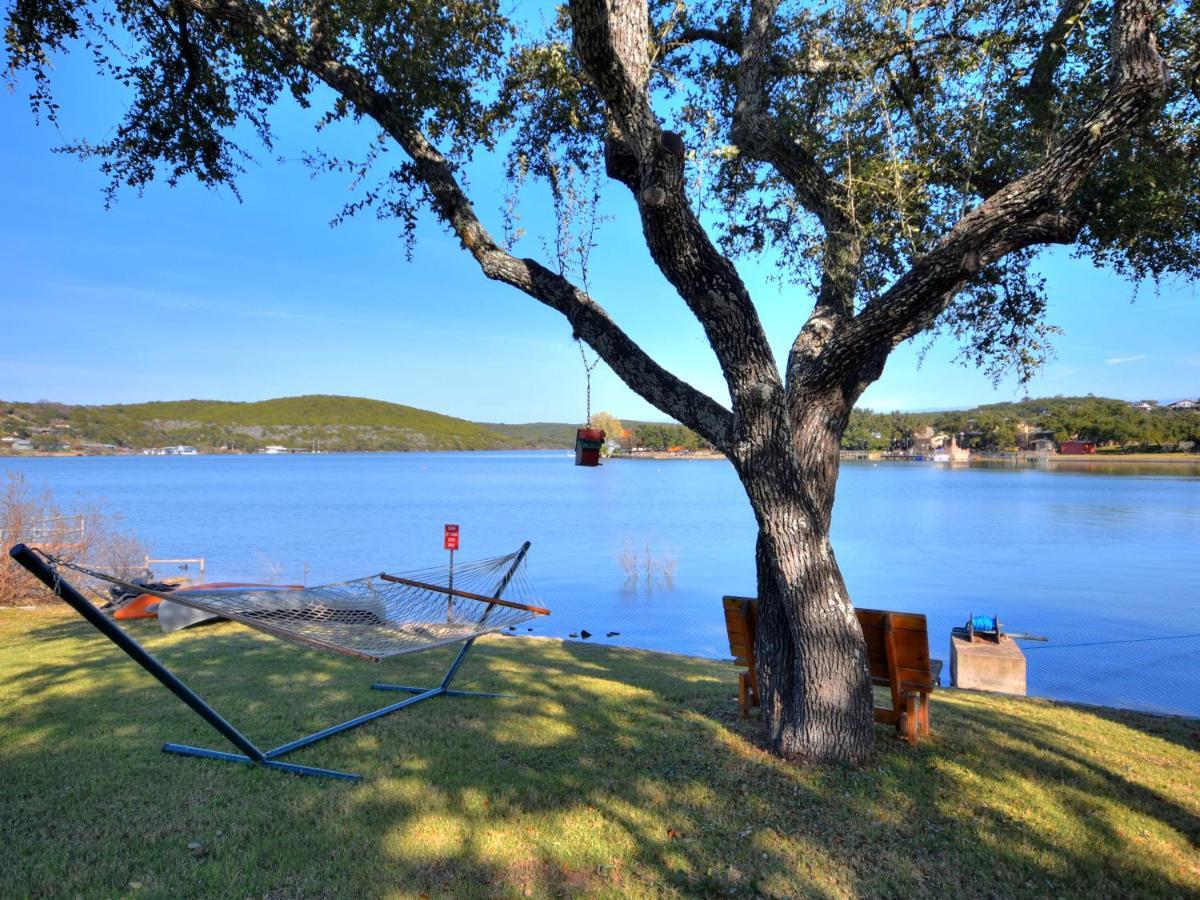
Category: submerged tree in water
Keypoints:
(902, 162)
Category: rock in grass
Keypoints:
(585, 634)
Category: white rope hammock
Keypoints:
(373, 617)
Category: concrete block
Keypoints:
(984, 665)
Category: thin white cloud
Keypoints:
(1122, 360)
(186, 302)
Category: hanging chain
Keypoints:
(587, 374)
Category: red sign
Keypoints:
(450, 541)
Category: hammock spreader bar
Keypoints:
(250, 753)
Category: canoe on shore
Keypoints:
(149, 606)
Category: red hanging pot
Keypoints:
(588, 442)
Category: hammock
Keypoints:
(371, 618)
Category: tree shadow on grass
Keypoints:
(613, 772)
(1179, 730)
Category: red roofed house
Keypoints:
(1076, 447)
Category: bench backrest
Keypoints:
(907, 635)
(741, 623)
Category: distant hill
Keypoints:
(536, 435)
(552, 435)
(330, 422)
(336, 423)
(1112, 424)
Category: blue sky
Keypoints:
(188, 293)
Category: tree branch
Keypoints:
(611, 39)
(724, 39)
(1024, 213)
(760, 137)
(1052, 54)
(634, 366)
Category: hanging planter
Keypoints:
(588, 442)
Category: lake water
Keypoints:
(1083, 557)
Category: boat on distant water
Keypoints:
(274, 448)
(178, 450)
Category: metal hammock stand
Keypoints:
(360, 618)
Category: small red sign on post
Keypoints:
(451, 538)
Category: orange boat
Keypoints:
(145, 606)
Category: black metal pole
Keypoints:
(508, 576)
(466, 648)
(350, 723)
(40, 570)
(512, 570)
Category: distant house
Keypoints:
(1144, 405)
(1184, 404)
(1077, 447)
(1031, 437)
(922, 440)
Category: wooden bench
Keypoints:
(741, 622)
(897, 649)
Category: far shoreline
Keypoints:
(1158, 459)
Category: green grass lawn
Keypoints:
(614, 773)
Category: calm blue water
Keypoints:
(1078, 556)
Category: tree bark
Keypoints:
(813, 675)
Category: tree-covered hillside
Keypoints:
(1003, 426)
(536, 435)
(330, 422)
(353, 423)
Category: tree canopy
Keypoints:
(843, 140)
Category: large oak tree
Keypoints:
(903, 161)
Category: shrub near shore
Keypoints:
(83, 534)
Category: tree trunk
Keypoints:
(813, 674)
